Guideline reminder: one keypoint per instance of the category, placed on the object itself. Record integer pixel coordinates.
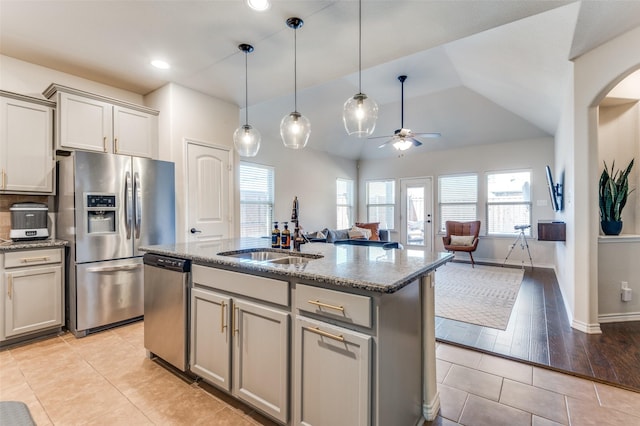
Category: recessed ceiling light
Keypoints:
(160, 64)
(259, 5)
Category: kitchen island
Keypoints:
(329, 335)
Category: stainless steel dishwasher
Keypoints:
(166, 312)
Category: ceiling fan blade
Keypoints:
(428, 135)
(385, 144)
(416, 142)
(379, 137)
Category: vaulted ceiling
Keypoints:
(478, 71)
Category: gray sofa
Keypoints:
(341, 236)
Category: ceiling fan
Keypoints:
(402, 138)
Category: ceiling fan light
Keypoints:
(246, 140)
(259, 5)
(295, 129)
(402, 144)
(360, 115)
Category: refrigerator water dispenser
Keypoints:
(101, 213)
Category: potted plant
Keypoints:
(614, 189)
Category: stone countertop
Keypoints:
(371, 269)
(28, 245)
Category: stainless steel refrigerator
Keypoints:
(108, 206)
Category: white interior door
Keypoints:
(208, 192)
(416, 215)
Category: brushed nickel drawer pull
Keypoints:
(116, 144)
(236, 330)
(10, 286)
(34, 259)
(316, 330)
(325, 305)
(3, 179)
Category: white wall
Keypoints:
(595, 74)
(30, 79)
(187, 114)
(617, 262)
(619, 141)
(533, 155)
(308, 174)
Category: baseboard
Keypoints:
(430, 408)
(586, 328)
(620, 317)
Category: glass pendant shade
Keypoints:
(360, 115)
(295, 129)
(402, 144)
(246, 140)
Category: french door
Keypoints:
(416, 214)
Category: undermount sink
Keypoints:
(272, 257)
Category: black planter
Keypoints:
(613, 227)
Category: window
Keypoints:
(256, 200)
(344, 203)
(381, 202)
(457, 198)
(508, 202)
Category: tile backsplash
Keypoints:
(7, 200)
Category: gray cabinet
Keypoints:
(241, 345)
(26, 147)
(92, 122)
(32, 292)
(333, 375)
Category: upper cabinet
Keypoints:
(91, 122)
(26, 148)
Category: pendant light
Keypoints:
(246, 139)
(295, 127)
(360, 112)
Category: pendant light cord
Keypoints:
(359, 46)
(295, 70)
(246, 90)
(402, 105)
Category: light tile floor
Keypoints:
(107, 379)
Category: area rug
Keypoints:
(483, 295)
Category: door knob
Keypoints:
(195, 231)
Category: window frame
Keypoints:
(269, 203)
(441, 218)
(392, 205)
(527, 204)
(350, 204)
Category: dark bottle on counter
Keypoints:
(275, 236)
(285, 240)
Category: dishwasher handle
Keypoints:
(166, 262)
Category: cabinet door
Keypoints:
(210, 356)
(33, 299)
(26, 148)
(261, 358)
(332, 375)
(134, 132)
(84, 123)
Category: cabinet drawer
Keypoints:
(261, 288)
(344, 307)
(14, 259)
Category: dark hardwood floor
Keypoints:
(539, 333)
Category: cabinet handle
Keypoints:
(316, 330)
(235, 321)
(115, 141)
(223, 306)
(3, 180)
(104, 143)
(10, 286)
(325, 305)
(34, 259)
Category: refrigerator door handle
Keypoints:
(138, 191)
(128, 203)
(115, 268)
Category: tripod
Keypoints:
(522, 239)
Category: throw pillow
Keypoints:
(373, 227)
(359, 233)
(462, 240)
